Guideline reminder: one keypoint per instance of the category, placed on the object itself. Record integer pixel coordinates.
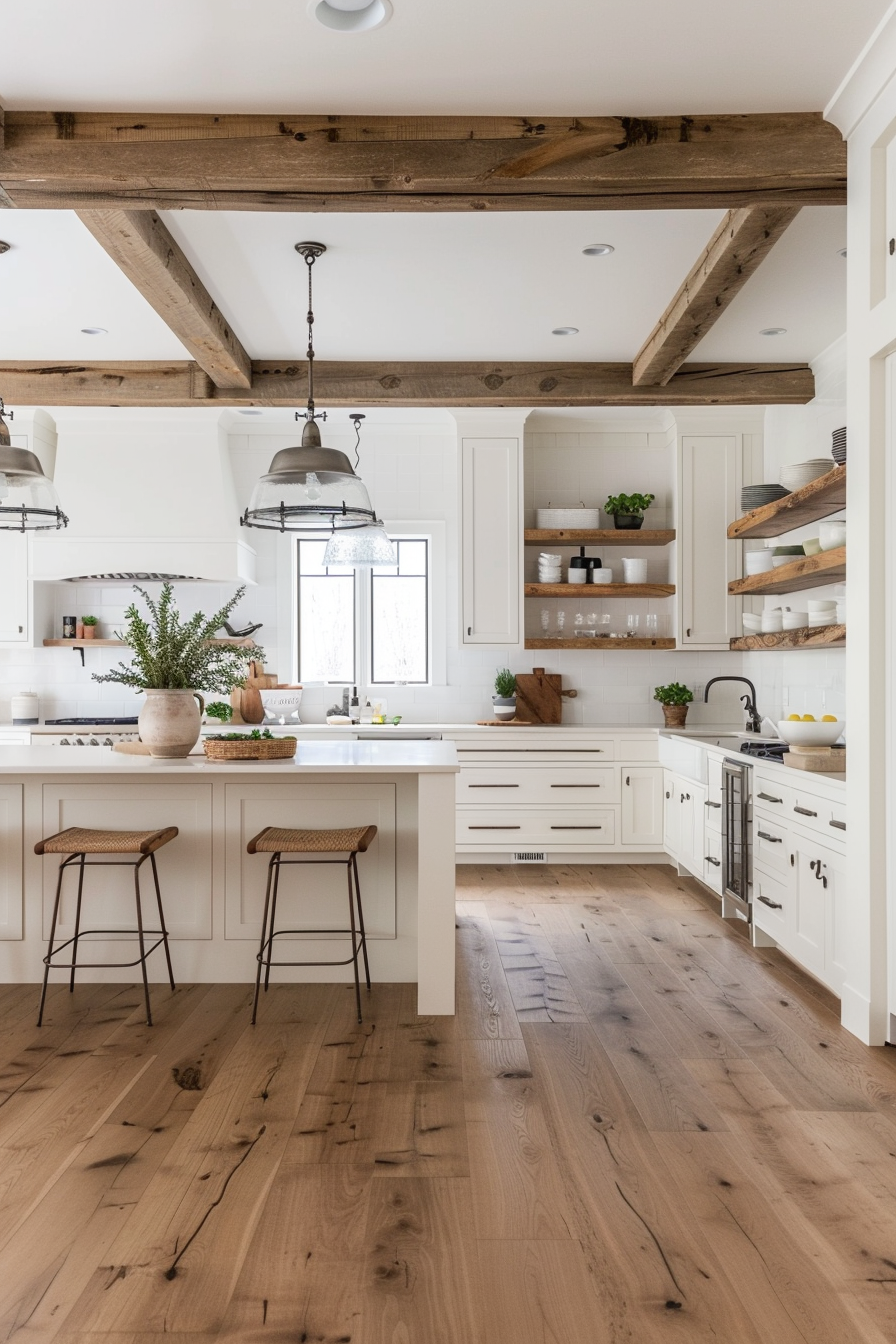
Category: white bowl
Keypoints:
(602, 576)
(282, 706)
(758, 562)
(832, 534)
(772, 623)
(567, 518)
(799, 734)
(752, 623)
(819, 604)
(795, 620)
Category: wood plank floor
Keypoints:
(636, 1129)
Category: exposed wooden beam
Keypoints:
(283, 383)
(742, 240)
(141, 245)
(101, 160)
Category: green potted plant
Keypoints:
(219, 709)
(504, 701)
(627, 511)
(171, 658)
(674, 699)
(90, 624)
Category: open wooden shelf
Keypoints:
(83, 643)
(818, 499)
(822, 637)
(809, 571)
(569, 536)
(599, 590)
(602, 643)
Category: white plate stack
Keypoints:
(550, 568)
(799, 474)
(822, 612)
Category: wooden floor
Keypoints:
(637, 1128)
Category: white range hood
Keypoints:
(149, 493)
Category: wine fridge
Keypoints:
(737, 847)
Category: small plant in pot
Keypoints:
(627, 511)
(504, 701)
(674, 699)
(219, 710)
(171, 657)
(90, 624)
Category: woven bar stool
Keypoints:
(277, 841)
(76, 843)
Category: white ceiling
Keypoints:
(580, 57)
(400, 287)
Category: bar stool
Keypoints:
(76, 843)
(277, 841)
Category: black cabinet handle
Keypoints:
(775, 839)
(838, 825)
(494, 828)
(668, 795)
(716, 863)
(775, 905)
(712, 804)
(792, 860)
(804, 812)
(575, 786)
(769, 799)
(577, 828)
(628, 780)
(493, 786)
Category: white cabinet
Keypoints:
(642, 805)
(709, 480)
(10, 861)
(491, 540)
(14, 588)
(671, 815)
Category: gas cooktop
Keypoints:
(89, 723)
(765, 751)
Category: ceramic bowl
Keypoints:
(601, 576)
(795, 620)
(832, 534)
(812, 546)
(758, 562)
(772, 623)
(281, 706)
(819, 604)
(799, 734)
(752, 623)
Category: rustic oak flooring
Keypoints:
(636, 1129)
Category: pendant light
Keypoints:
(28, 499)
(359, 547)
(310, 489)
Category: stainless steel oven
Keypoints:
(737, 845)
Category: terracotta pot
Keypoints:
(89, 632)
(675, 715)
(169, 722)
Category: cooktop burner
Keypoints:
(765, 751)
(88, 723)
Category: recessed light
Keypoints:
(598, 250)
(4, 247)
(841, 251)
(351, 16)
(565, 331)
(94, 331)
(773, 331)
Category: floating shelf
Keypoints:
(822, 637)
(83, 643)
(602, 643)
(810, 571)
(818, 499)
(567, 536)
(599, 590)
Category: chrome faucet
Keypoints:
(748, 701)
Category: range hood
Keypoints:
(150, 496)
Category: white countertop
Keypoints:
(348, 730)
(797, 778)
(351, 758)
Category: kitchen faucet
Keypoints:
(749, 701)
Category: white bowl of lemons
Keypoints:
(807, 731)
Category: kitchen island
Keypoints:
(212, 889)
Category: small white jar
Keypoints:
(25, 708)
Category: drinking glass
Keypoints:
(633, 625)
(651, 625)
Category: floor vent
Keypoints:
(530, 856)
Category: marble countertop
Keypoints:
(351, 758)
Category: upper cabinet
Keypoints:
(14, 604)
(491, 528)
(710, 476)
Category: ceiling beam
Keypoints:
(104, 160)
(742, 240)
(141, 245)
(284, 383)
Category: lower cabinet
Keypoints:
(10, 861)
(642, 805)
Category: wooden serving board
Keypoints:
(830, 760)
(539, 696)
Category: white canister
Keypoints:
(577, 575)
(602, 576)
(634, 571)
(25, 707)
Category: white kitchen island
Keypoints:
(213, 891)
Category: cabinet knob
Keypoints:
(469, 629)
(628, 780)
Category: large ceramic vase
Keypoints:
(169, 722)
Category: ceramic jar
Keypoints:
(169, 722)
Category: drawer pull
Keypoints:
(493, 828)
(775, 839)
(838, 825)
(769, 799)
(575, 786)
(775, 905)
(709, 804)
(493, 786)
(804, 812)
(716, 863)
(577, 828)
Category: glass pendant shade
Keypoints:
(360, 547)
(309, 489)
(28, 499)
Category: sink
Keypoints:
(687, 755)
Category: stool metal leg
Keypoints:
(355, 948)
(274, 890)
(71, 982)
(162, 925)
(142, 942)
(264, 930)
(43, 992)
(361, 920)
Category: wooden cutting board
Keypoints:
(251, 709)
(539, 696)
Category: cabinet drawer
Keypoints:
(771, 848)
(712, 812)
(770, 905)
(597, 752)
(546, 785)
(572, 827)
(817, 814)
(771, 798)
(712, 860)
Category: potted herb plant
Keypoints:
(674, 699)
(627, 511)
(90, 624)
(170, 658)
(218, 709)
(504, 701)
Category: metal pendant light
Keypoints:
(28, 499)
(310, 489)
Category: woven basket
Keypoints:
(251, 749)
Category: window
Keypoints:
(384, 614)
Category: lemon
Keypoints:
(793, 718)
(829, 718)
(808, 718)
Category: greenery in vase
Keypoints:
(89, 620)
(219, 710)
(635, 505)
(673, 694)
(505, 683)
(170, 654)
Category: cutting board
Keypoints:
(539, 696)
(250, 708)
(831, 760)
